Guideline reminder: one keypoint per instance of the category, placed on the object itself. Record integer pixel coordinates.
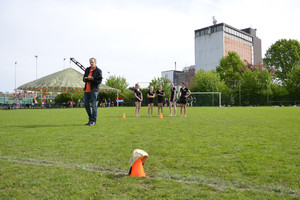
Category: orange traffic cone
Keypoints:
(137, 168)
(161, 116)
(124, 116)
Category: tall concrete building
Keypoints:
(214, 42)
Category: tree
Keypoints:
(63, 98)
(293, 83)
(284, 55)
(279, 93)
(255, 86)
(78, 97)
(117, 82)
(207, 81)
(164, 81)
(249, 84)
(230, 68)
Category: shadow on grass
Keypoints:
(143, 116)
(44, 126)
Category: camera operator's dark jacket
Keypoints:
(97, 74)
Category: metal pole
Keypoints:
(175, 66)
(15, 84)
(213, 96)
(36, 57)
(15, 75)
(220, 99)
(267, 92)
(240, 95)
(64, 62)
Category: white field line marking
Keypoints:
(119, 172)
(64, 165)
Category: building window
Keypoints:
(214, 29)
(220, 28)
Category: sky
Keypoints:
(135, 39)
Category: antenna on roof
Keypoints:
(214, 20)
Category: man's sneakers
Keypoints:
(91, 124)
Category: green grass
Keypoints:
(213, 153)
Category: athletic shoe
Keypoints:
(92, 123)
(88, 123)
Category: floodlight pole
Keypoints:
(36, 57)
(64, 62)
(15, 82)
(15, 75)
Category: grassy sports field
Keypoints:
(213, 153)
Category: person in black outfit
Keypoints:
(138, 99)
(184, 93)
(160, 98)
(150, 96)
(172, 99)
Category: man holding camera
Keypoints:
(92, 78)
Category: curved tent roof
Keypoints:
(66, 80)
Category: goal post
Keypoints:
(207, 98)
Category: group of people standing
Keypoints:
(93, 77)
(184, 93)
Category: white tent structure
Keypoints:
(69, 80)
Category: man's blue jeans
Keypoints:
(87, 98)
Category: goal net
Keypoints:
(206, 98)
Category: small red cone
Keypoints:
(124, 117)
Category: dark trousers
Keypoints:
(91, 97)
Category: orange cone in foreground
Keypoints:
(124, 116)
(161, 116)
(136, 162)
(137, 168)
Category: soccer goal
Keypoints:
(206, 98)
